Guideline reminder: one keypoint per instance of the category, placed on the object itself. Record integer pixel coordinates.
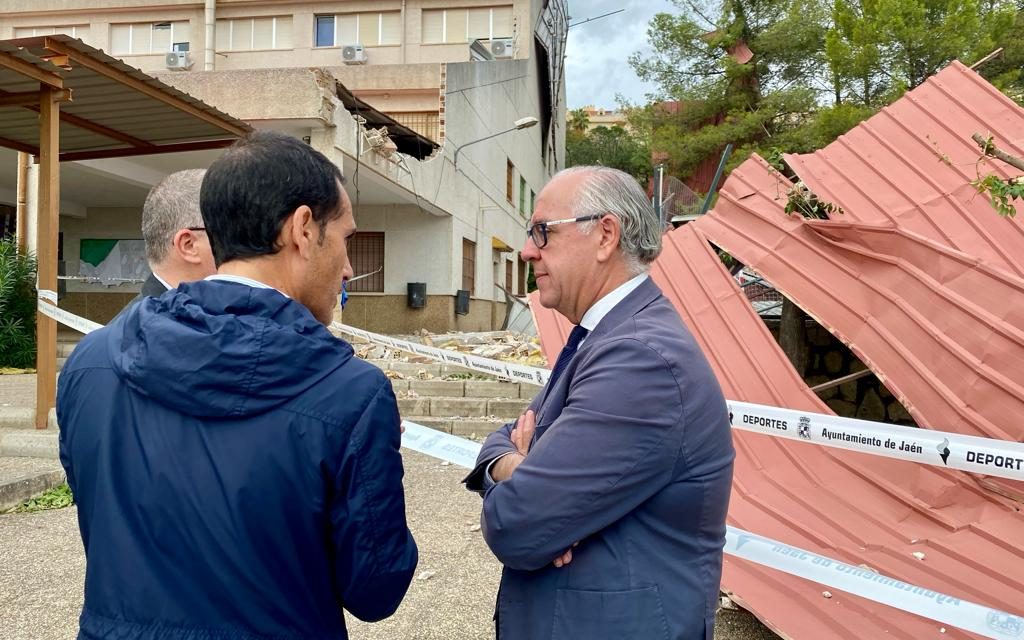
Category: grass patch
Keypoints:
(56, 498)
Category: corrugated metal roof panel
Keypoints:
(912, 165)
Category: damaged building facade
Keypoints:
(397, 93)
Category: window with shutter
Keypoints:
(433, 26)
(455, 25)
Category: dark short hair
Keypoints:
(250, 191)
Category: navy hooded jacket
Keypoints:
(236, 469)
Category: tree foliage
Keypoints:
(17, 306)
(792, 75)
(608, 146)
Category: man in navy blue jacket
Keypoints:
(606, 501)
(236, 469)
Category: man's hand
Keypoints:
(566, 557)
(522, 436)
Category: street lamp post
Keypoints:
(521, 123)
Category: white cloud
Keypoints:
(597, 53)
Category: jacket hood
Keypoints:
(219, 349)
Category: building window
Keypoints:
(452, 26)
(80, 31)
(140, 38)
(366, 253)
(254, 34)
(425, 123)
(468, 265)
(508, 276)
(523, 265)
(510, 170)
(522, 195)
(372, 29)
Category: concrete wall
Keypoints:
(98, 302)
(17, 13)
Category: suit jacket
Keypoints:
(632, 459)
(151, 288)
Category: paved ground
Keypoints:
(18, 390)
(42, 568)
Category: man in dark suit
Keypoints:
(177, 247)
(606, 501)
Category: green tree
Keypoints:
(772, 76)
(579, 121)
(612, 147)
(17, 306)
(877, 49)
(740, 72)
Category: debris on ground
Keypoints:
(507, 346)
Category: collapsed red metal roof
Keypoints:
(922, 280)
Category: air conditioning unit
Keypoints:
(501, 47)
(178, 60)
(353, 54)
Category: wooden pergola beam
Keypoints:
(29, 99)
(201, 145)
(31, 71)
(127, 80)
(46, 249)
(19, 146)
(22, 99)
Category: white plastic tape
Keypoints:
(857, 580)
(49, 296)
(438, 444)
(976, 618)
(64, 317)
(999, 458)
(941, 449)
(499, 368)
(874, 586)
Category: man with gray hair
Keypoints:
(606, 501)
(177, 247)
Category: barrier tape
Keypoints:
(866, 583)
(507, 370)
(973, 454)
(64, 317)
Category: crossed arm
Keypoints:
(608, 451)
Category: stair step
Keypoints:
(29, 443)
(464, 427)
(25, 478)
(449, 407)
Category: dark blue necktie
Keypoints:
(568, 351)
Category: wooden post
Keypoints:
(46, 248)
(21, 218)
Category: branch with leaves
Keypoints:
(1001, 192)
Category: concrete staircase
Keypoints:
(462, 407)
(470, 405)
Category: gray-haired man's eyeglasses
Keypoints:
(538, 231)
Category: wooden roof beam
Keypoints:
(22, 99)
(19, 146)
(201, 145)
(30, 70)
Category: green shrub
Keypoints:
(17, 306)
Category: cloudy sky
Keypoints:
(597, 52)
